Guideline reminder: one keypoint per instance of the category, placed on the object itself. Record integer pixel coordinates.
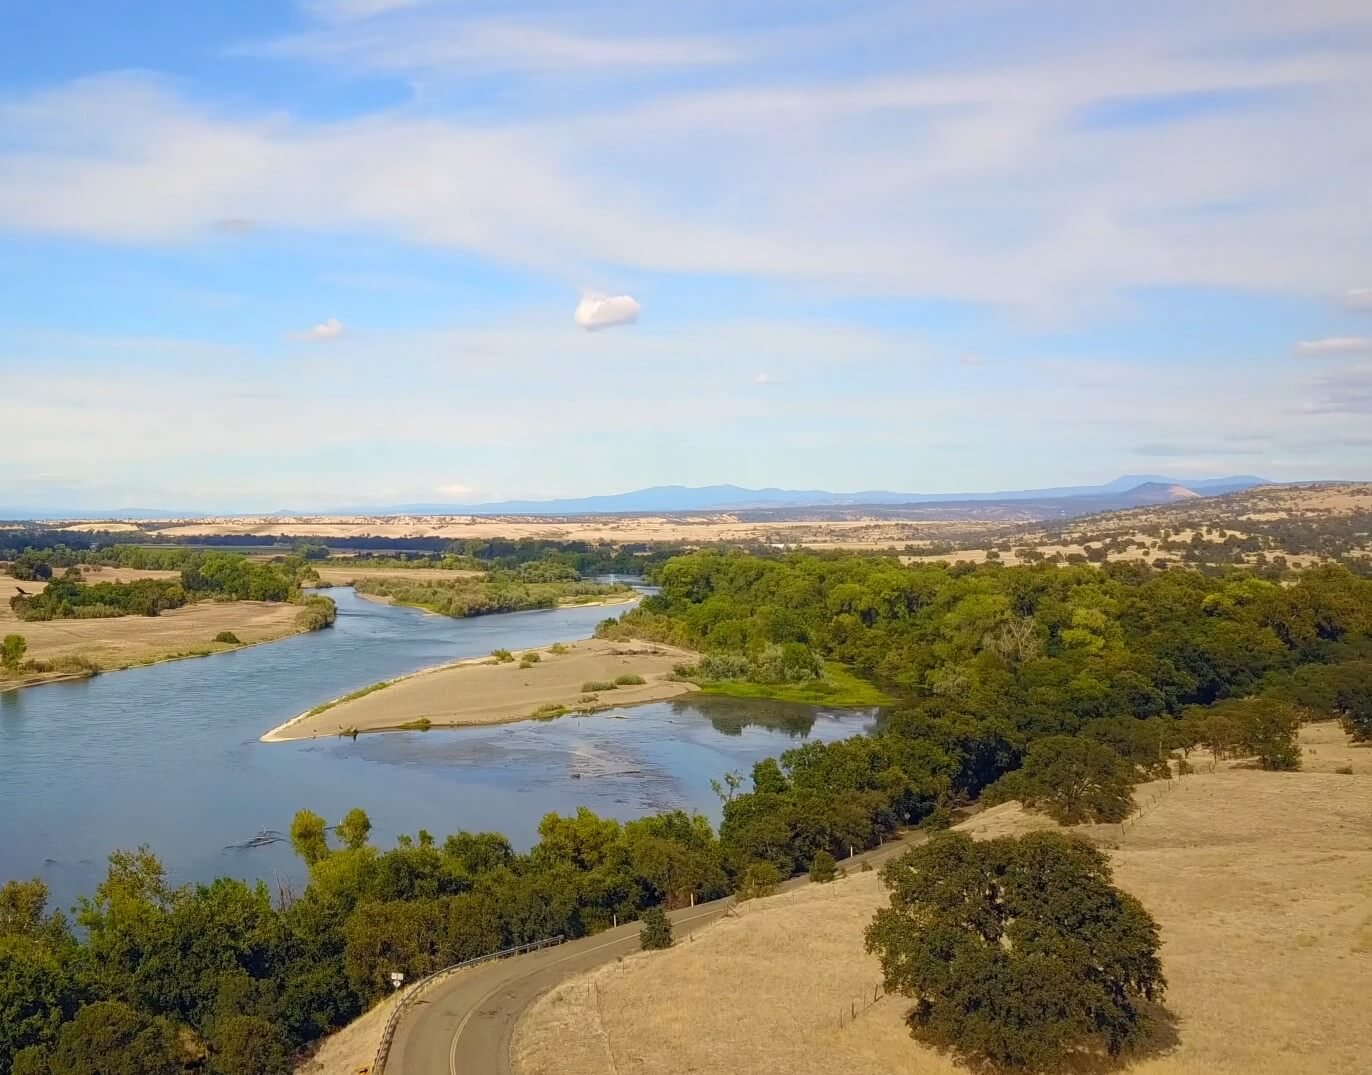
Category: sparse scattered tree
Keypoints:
(12, 651)
(823, 868)
(1018, 952)
(656, 931)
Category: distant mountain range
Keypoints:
(1131, 489)
(1128, 490)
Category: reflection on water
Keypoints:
(169, 755)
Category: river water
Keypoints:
(168, 755)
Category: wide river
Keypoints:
(168, 755)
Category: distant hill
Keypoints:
(1128, 490)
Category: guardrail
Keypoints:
(383, 1050)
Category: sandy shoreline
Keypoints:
(481, 691)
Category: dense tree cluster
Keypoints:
(215, 575)
(532, 587)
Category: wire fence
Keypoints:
(858, 1005)
(383, 1049)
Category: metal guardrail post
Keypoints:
(383, 1049)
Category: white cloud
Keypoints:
(1360, 298)
(596, 311)
(325, 330)
(344, 10)
(455, 490)
(764, 378)
(991, 180)
(1334, 345)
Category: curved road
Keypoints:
(464, 1025)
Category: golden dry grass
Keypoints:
(1262, 883)
(122, 641)
(352, 1049)
(482, 692)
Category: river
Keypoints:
(168, 755)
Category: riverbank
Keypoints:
(76, 648)
(530, 684)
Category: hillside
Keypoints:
(1264, 902)
(1297, 524)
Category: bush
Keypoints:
(558, 648)
(502, 656)
(823, 868)
(548, 711)
(629, 680)
(319, 612)
(759, 879)
(593, 686)
(657, 930)
(228, 637)
(12, 651)
(1019, 952)
(524, 662)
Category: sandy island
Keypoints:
(482, 691)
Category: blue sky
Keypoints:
(300, 254)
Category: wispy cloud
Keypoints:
(325, 330)
(1334, 345)
(1360, 298)
(455, 489)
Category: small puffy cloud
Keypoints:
(602, 311)
(1334, 345)
(970, 359)
(325, 330)
(1360, 298)
(765, 378)
(456, 489)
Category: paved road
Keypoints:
(464, 1025)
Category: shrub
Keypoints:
(1019, 952)
(656, 931)
(759, 879)
(548, 711)
(524, 662)
(421, 724)
(228, 637)
(502, 656)
(593, 686)
(823, 868)
(532, 657)
(12, 651)
(559, 648)
(629, 680)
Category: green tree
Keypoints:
(111, 1038)
(1070, 779)
(656, 931)
(12, 651)
(354, 829)
(249, 1045)
(823, 868)
(1018, 952)
(308, 837)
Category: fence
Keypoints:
(383, 1050)
(858, 1005)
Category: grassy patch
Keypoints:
(423, 724)
(350, 697)
(559, 648)
(629, 679)
(502, 656)
(228, 638)
(593, 686)
(838, 687)
(549, 711)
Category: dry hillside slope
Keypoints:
(1262, 883)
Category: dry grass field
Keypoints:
(1262, 883)
(482, 691)
(123, 641)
